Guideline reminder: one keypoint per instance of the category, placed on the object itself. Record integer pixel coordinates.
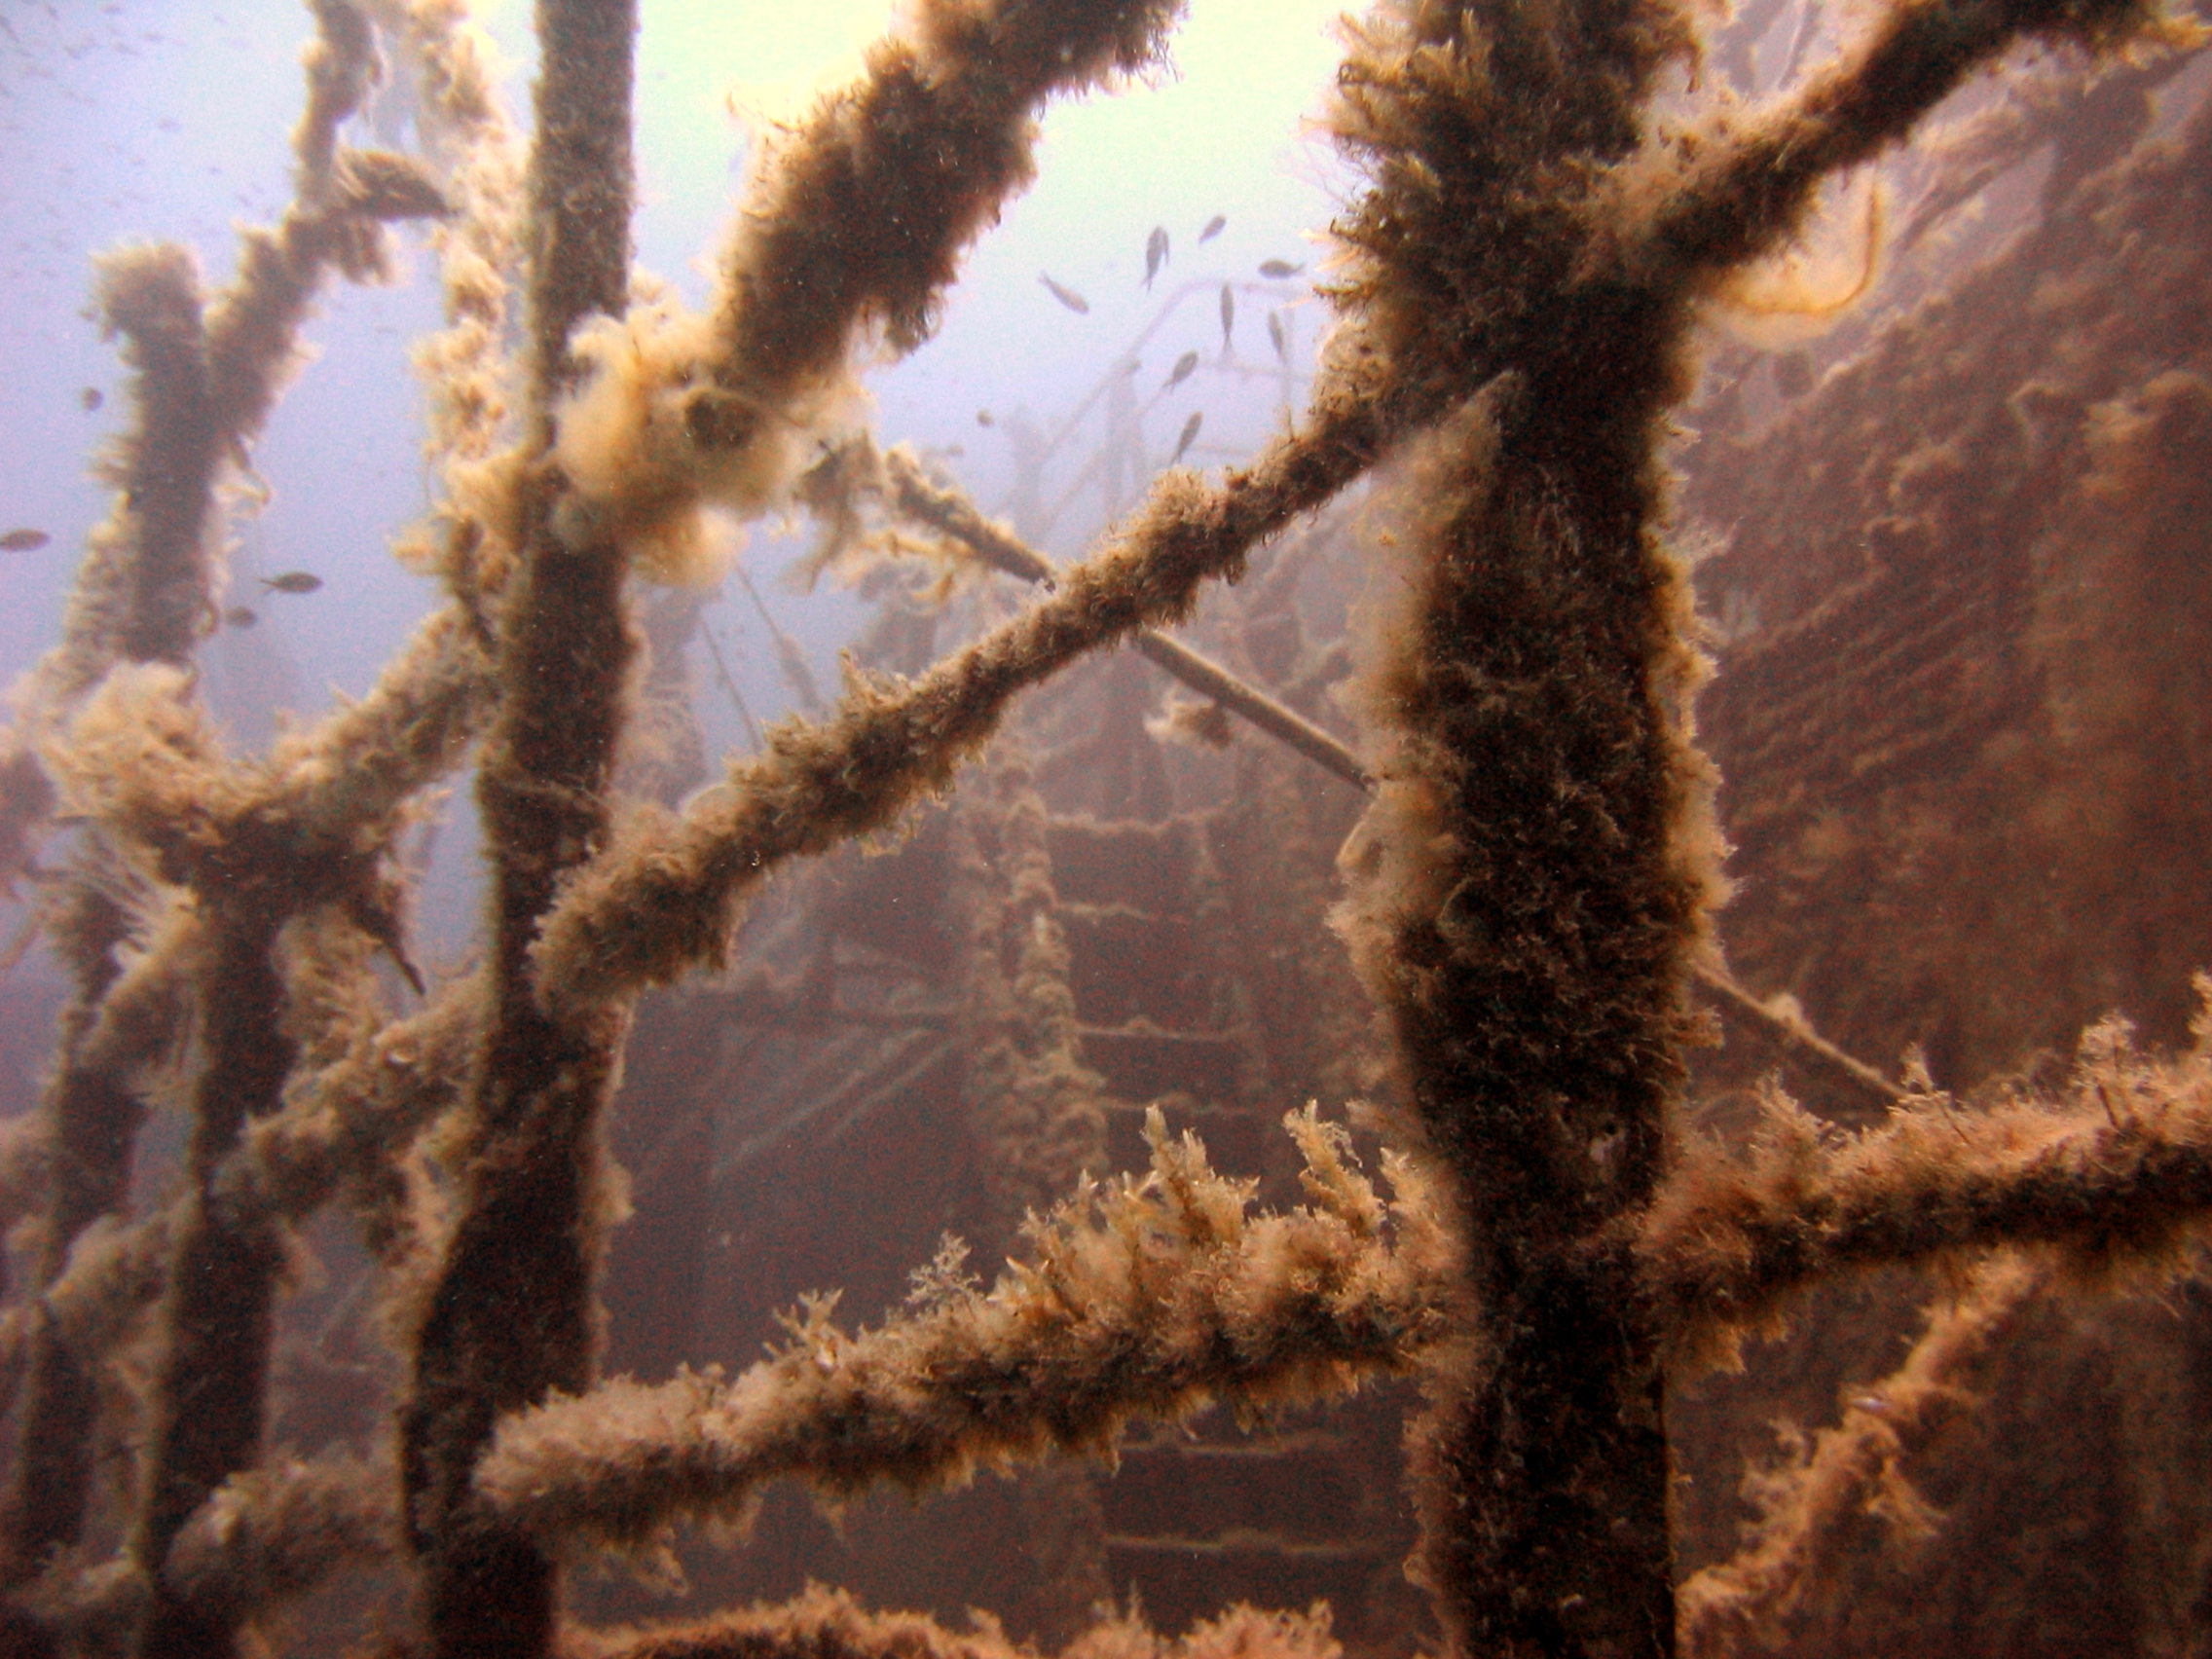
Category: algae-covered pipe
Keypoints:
(512, 1313)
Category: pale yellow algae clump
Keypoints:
(628, 443)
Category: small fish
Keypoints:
(1280, 340)
(1190, 436)
(91, 398)
(1279, 268)
(241, 616)
(791, 659)
(1213, 228)
(292, 581)
(23, 540)
(984, 418)
(1067, 297)
(1227, 316)
(1181, 372)
(1155, 253)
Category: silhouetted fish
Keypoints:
(23, 540)
(241, 616)
(1213, 226)
(1275, 334)
(1279, 268)
(1190, 436)
(1181, 372)
(984, 418)
(1155, 253)
(91, 398)
(1227, 315)
(1067, 297)
(292, 581)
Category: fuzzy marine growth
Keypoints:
(1533, 885)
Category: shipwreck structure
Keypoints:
(1461, 855)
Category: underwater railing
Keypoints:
(1531, 892)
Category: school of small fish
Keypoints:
(1181, 372)
(1213, 228)
(23, 540)
(1279, 268)
(292, 581)
(1190, 435)
(1227, 316)
(1155, 253)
